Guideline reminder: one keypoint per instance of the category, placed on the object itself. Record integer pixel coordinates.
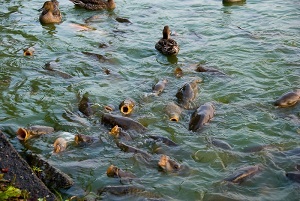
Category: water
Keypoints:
(255, 44)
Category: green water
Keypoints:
(256, 44)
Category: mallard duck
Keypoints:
(51, 13)
(166, 45)
(95, 4)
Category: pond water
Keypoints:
(256, 44)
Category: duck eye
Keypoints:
(176, 167)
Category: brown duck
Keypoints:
(95, 4)
(166, 45)
(50, 13)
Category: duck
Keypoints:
(50, 12)
(95, 4)
(167, 45)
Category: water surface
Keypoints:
(255, 44)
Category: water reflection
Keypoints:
(236, 3)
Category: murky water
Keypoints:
(255, 44)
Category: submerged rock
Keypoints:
(50, 175)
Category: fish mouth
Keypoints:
(126, 109)
(174, 118)
(22, 134)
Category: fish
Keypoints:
(173, 111)
(221, 144)
(81, 139)
(159, 87)
(85, 106)
(243, 173)
(187, 93)
(294, 176)
(117, 132)
(130, 149)
(125, 190)
(49, 67)
(201, 116)
(100, 57)
(200, 68)
(167, 164)
(114, 171)
(60, 145)
(164, 140)
(289, 99)
(126, 106)
(125, 123)
(32, 131)
(178, 72)
(122, 20)
(70, 116)
(28, 51)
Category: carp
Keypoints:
(288, 99)
(168, 165)
(81, 139)
(201, 116)
(60, 145)
(243, 173)
(173, 111)
(85, 106)
(32, 131)
(187, 93)
(114, 171)
(130, 149)
(159, 87)
(124, 122)
(117, 132)
(126, 106)
(294, 176)
(221, 144)
(164, 140)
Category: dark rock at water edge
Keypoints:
(21, 173)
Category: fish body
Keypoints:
(27, 133)
(159, 87)
(125, 123)
(288, 99)
(187, 93)
(164, 140)
(201, 116)
(294, 176)
(130, 149)
(241, 174)
(173, 111)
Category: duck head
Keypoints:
(48, 6)
(166, 32)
